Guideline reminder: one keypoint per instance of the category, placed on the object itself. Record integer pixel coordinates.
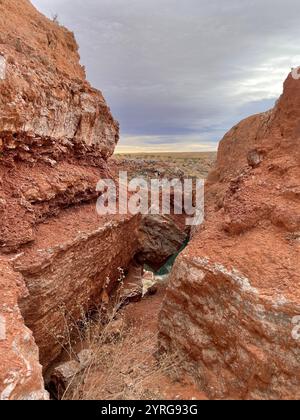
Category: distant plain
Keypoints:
(193, 164)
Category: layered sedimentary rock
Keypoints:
(56, 131)
(44, 96)
(234, 296)
(67, 269)
(20, 372)
(57, 254)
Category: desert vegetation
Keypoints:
(112, 355)
(192, 165)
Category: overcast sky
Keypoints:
(178, 74)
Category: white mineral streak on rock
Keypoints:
(2, 328)
(2, 67)
(234, 275)
(11, 383)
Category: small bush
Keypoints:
(55, 19)
(122, 365)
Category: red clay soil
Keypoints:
(143, 318)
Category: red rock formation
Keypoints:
(160, 237)
(234, 292)
(66, 268)
(56, 134)
(20, 372)
(44, 96)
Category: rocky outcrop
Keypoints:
(160, 237)
(44, 96)
(56, 131)
(67, 271)
(234, 294)
(20, 372)
(57, 255)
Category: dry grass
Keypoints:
(121, 363)
(124, 369)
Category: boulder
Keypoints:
(160, 237)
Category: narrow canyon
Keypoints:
(228, 306)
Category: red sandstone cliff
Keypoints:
(44, 96)
(235, 291)
(56, 134)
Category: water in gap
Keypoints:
(167, 267)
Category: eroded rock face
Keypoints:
(20, 371)
(66, 272)
(44, 96)
(56, 134)
(234, 293)
(160, 237)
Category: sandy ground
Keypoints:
(170, 384)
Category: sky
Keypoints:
(177, 74)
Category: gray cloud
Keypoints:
(183, 72)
